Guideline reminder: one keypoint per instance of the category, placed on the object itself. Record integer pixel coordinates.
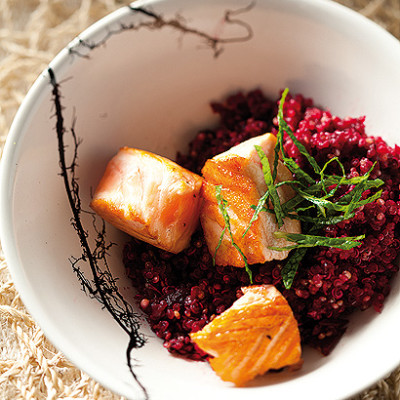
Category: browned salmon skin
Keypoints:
(149, 197)
(239, 171)
(256, 334)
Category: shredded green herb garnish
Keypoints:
(261, 205)
(269, 181)
(303, 240)
(289, 270)
(316, 202)
(223, 206)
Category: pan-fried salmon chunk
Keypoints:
(149, 197)
(239, 171)
(256, 334)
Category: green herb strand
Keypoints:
(269, 181)
(289, 270)
(358, 191)
(284, 127)
(223, 207)
(257, 209)
(321, 222)
(324, 180)
(303, 240)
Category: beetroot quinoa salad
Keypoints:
(181, 293)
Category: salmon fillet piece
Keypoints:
(256, 334)
(149, 197)
(239, 171)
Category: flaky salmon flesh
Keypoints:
(256, 334)
(149, 197)
(239, 172)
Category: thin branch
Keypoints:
(178, 23)
(103, 286)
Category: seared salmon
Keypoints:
(239, 171)
(149, 197)
(256, 334)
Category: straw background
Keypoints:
(32, 32)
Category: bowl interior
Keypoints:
(151, 89)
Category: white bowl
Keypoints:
(150, 88)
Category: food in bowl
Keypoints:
(127, 68)
(238, 176)
(344, 258)
(256, 334)
(149, 197)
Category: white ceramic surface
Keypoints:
(151, 89)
